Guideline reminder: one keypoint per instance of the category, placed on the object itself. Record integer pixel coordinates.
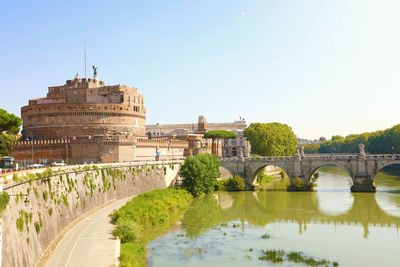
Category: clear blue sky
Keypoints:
(322, 67)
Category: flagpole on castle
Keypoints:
(85, 57)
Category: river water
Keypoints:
(231, 229)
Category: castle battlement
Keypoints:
(162, 143)
(101, 109)
(40, 142)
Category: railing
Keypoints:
(7, 173)
(319, 156)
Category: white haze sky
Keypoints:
(322, 67)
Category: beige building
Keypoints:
(159, 130)
(85, 120)
(194, 132)
(236, 147)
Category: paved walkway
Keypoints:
(89, 242)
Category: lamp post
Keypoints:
(33, 159)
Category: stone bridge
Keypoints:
(361, 167)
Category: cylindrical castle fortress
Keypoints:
(85, 107)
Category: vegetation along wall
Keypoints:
(41, 205)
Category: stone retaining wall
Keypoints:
(30, 222)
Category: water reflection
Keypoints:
(388, 190)
(329, 223)
(333, 186)
(332, 204)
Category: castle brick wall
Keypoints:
(96, 150)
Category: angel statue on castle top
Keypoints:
(94, 71)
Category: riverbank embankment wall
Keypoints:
(44, 203)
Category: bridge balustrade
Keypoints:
(361, 167)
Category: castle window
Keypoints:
(52, 91)
(62, 90)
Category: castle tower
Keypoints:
(202, 125)
(85, 107)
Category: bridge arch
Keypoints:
(382, 165)
(386, 177)
(316, 165)
(253, 172)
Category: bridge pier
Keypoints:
(363, 184)
(365, 188)
(301, 188)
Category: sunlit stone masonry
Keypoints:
(85, 120)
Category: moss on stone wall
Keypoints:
(58, 197)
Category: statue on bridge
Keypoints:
(362, 150)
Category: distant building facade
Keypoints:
(198, 144)
(236, 147)
(85, 120)
(302, 141)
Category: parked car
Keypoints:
(58, 164)
(37, 166)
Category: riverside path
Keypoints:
(89, 242)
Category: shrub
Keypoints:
(126, 230)
(232, 184)
(145, 216)
(263, 179)
(237, 183)
(200, 174)
(132, 254)
(222, 185)
(314, 178)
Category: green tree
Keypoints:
(379, 142)
(9, 126)
(219, 134)
(9, 123)
(271, 139)
(149, 135)
(200, 174)
(311, 148)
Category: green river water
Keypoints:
(226, 229)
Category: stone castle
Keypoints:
(85, 107)
(85, 120)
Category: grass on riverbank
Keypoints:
(145, 217)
